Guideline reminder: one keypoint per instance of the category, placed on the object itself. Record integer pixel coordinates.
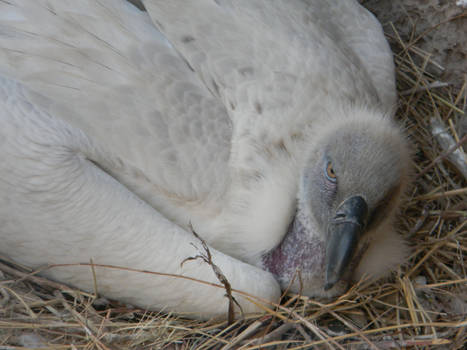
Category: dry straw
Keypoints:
(423, 304)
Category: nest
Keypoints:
(423, 304)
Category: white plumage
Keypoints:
(118, 133)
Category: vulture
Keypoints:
(258, 134)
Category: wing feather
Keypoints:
(103, 67)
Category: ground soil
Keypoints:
(438, 27)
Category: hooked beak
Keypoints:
(344, 233)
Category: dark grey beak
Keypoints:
(344, 233)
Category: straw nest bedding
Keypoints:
(423, 304)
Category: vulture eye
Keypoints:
(330, 174)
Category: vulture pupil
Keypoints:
(330, 174)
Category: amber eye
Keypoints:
(330, 174)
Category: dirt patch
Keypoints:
(438, 27)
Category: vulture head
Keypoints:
(349, 189)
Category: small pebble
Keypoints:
(31, 340)
(419, 282)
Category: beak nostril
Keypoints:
(339, 217)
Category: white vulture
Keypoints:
(264, 126)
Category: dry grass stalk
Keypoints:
(424, 304)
